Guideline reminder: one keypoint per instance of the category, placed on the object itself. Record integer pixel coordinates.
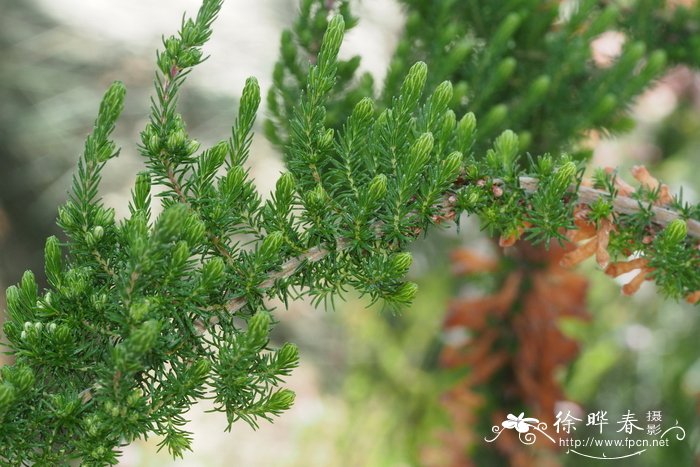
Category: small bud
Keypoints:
(213, 272)
(506, 68)
(316, 199)
(176, 140)
(564, 176)
(64, 406)
(22, 379)
(448, 125)
(14, 304)
(284, 190)
(635, 51)
(442, 96)
(377, 188)
(288, 355)
(281, 400)
(335, 30)
(181, 254)
(172, 45)
(506, 147)
(259, 329)
(271, 245)
(470, 200)
(603, 108)
(134, 397)
(142, 189)
(62, 333)
(466, 131)
(452, 166)
(139, 310)
(28, 286)
(363, 110)
(144, 337)
(413, 85)
(106, 151)
(538, 88)
(400, 263)
(194, 230)
(327, 139)
(420, 151)
(98, 232)
(65, 215)
(77, 281)
(201, 368)
(153, 145)
(232, 182)
(92, 425)
(148, 132)
(545, 166)
(189, 32)
(192, 146)
(104, 216)
(250, 99)
(404, 293)
(676, 231)
(112, 103)
(190, 57)
(7, 396)
(99, 301)
(656, 62)
(331, 42)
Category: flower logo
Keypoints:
(521, 424)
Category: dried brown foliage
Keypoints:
(514, 350)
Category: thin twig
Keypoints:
(621, 205)
(312, 255)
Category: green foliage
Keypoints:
(528, 67)
(144, 316)
(523, 66)
(299, 47)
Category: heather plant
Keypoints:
(530, 67)
(146, 315)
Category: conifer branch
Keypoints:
(127, 298)
(584, 194)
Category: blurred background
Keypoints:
(369, 388)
